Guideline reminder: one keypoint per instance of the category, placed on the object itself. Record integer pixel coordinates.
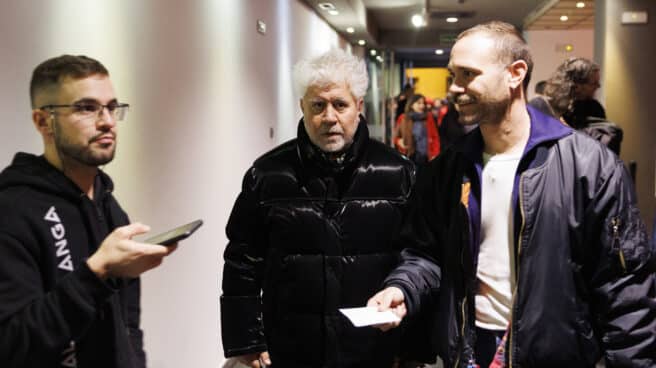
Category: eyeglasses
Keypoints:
(92, 109)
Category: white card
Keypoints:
(367, 316)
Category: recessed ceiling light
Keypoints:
(580, 4)
(417, 20)
(379, 58)
(569, 48)
(372, 52)
(326, 6)
(564, 18)
(451, 20)
(333, 12)
(362, 42)
(350, 30)
(439, 52)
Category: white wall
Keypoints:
(205, 89)
(546, 49)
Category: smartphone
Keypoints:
(172, 236)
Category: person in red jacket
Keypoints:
(417, 136)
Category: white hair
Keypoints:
(332, 67)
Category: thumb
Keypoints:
(387, 300)
(134, 229)
(265, 358)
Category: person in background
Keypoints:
(313, 230)
(524, 238)
(404, 96)
(418, 136)
(69, 269)
(570, 91)
(540, 101)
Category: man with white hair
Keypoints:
(313, 230)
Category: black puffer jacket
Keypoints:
(313, 236)
(585, 283)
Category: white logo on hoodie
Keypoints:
(58, 232)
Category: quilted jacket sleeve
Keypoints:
(241, 303)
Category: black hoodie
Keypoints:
(55, 312)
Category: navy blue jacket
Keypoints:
(585, 284)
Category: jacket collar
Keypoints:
(544, 128)
(313, 156)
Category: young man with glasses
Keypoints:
(69, 287)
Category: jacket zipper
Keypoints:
(616, 223)
(519, 251)
(462, 306)
(462, 331)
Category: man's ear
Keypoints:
(360, 105)
(41, 122)
(300, 103)
(518, 71)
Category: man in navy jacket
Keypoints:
(524, 239)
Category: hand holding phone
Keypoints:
(175, 235)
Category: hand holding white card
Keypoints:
(367, 316)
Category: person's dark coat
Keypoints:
(308, 236)
(585, 283)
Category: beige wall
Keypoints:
(627, 54)
(205, 89)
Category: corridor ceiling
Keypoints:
(386, 24)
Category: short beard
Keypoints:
(488, 112)
(81, 154)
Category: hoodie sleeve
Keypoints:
(241, 303)
(35, 325)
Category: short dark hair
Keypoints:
(539, 87)
(51, 72)
(510, 44)
(561, 85)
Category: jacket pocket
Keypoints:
(628, 240)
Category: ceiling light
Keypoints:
(569, 48)
(451, 20)
(379, 58)
(580, 4)
(564, 18)
(326, 6)
(333, 12)
(362, 42)
(439, 52)
(350, 30)
(418, 20)
(372, 52)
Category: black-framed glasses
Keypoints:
(93, 109)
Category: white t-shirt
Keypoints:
(496, 268)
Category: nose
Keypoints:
(105, 118)
(330, 114)
(455, 89)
